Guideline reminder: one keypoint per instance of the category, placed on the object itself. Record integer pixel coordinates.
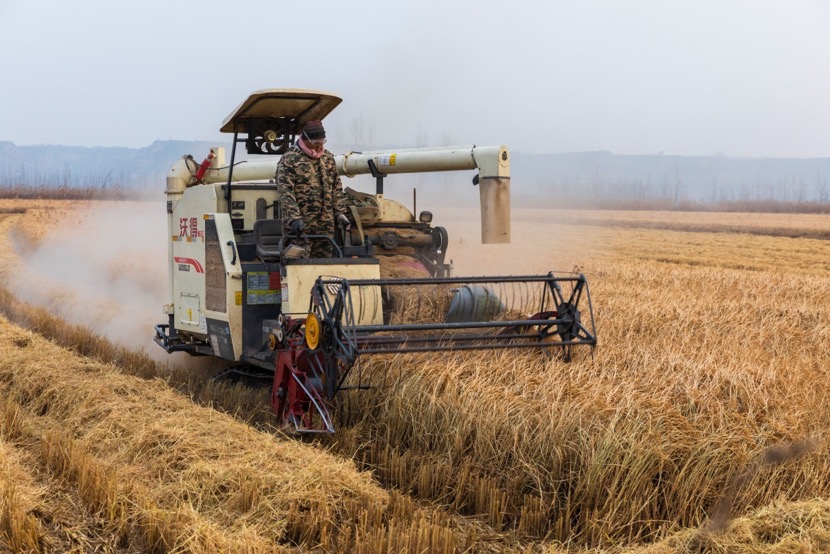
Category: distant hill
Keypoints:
(78, 166)
(538, 179)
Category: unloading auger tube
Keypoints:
(492, 162)
(540, 312)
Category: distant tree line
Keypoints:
(112, 192)
(794, 194)
(29, 184)
(64, 184)
(589, 180)
(67, 177)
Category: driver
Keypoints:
(310, 190)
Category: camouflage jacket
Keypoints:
(310, 189)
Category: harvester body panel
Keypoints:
(187, 262)
(303, 274)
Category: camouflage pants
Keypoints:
(314, 225)
(315, 248)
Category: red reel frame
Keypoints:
(299, 381)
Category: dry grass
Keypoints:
(758, 221)
(779, 527)
(698, 425)
(793, 225)
(162, 483)
(168, 475)
(702, 368)
(412, 304)
(41, 216)
(20, 531)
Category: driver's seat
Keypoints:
(267, 235)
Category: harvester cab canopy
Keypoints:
(272, 118)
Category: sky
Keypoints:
(743, 78)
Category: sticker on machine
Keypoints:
(387, 160)
(185, 263)
(220, 338)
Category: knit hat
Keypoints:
(313, 130)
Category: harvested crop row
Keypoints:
(183, 463)
(779, 224)
(780, 527)
(19, 494)
(167, 474)
(41, 512)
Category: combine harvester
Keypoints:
(237, 293)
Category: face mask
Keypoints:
(311, 151)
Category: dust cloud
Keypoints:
(104, 268)
(540, 242)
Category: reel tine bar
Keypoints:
(456, 313)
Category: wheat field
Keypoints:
(697, 425)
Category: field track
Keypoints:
(698, 424)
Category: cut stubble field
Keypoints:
(698, 424)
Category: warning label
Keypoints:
(263, 288)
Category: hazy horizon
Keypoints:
(741, 78)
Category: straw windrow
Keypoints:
(172, 475)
